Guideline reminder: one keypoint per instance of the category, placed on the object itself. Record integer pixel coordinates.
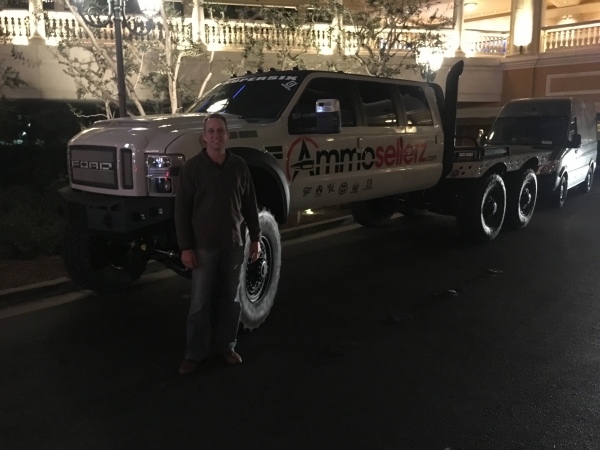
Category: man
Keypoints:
(215, 201)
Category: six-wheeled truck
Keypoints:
(310, 139)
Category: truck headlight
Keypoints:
(549, 167)
(162, 172)
(159, 162)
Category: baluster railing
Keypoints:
(563, 37)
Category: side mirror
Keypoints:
(575, 141)
(481, 138)
(329, 118)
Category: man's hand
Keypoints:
(254, 251)
(188, 258)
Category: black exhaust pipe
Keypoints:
(449, 115)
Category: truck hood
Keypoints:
(153, 133)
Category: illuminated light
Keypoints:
(470, 7)
(217, 106)
(523, 24)
(309, 212)
(149, 8)
(431, 57)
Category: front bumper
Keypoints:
(114, 214)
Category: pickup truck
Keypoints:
(310, 139)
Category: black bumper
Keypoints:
(114, 214)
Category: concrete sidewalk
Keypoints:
(64, 286)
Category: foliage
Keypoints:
(166, 56)
(384, 35)
(9, 76)
(30, 225)
(295, 32)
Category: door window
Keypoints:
(377, 104)
(303, 118)
(416, 106)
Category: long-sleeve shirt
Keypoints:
(214, 204)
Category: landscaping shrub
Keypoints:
(30, 225)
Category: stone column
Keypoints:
(526, 21)
(539, 20)
(36, 20)
(198, 21)
(459, 24)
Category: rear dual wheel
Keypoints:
(521, 199)
(481, 208)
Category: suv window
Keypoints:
(303, 117)
(377, 103)
(416, 105)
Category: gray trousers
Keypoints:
(216, 280)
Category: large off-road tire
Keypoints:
(99, 263)
(480, 209)
(560, 193)
(586, 186)
(521, 196)
(258, 283)
(374, 213)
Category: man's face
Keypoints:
(215, 135)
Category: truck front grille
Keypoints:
(94, 165)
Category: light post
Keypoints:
(101, 15)
(430, 60)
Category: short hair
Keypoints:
(216, 116)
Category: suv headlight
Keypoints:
(163, 170)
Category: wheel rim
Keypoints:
(258, 273)
(493, 208)
(527, 199)
(588, 179)
(563, 188)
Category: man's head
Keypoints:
(215, 135)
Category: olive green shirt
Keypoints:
(215, 203)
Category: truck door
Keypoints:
(423, 146)
(323, 169)
(380, 139)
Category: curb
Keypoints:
(64, 285)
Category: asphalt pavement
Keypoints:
(406, 337)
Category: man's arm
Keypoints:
(184, 204)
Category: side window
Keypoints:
(378, 104)
(303, 117)
(416, 106)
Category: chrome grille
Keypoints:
(94, 166)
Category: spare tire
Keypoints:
(259, 280)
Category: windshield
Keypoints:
(535, 130)
(255, 99)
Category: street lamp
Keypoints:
(430, 59)
(98, 15)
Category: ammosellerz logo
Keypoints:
(316, 161)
